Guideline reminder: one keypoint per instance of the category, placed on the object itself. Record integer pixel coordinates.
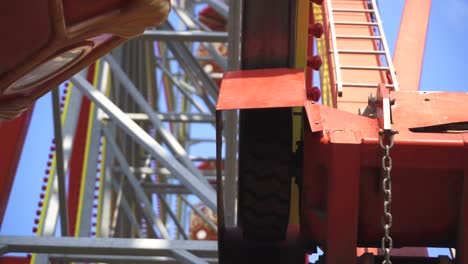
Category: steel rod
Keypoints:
(60, 162)
(357, 37)
(386, 48)
(186, 257)
(232, 118)
(48, 222)
(193, 183)
(345, 10)
(189, 36)
(350, 23)
(169, 117)
(336, 58)
(111, 259)
(117, 203)
(369, 68)
(105, 220)
(365, 85)
(191, 66)
(147, 207)
(122, 201)
(105, 246)
(177, 149)
(182, 90)
(165, 188)
(367, 52)
(171, 214)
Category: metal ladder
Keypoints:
(381, 42)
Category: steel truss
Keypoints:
(140, 178)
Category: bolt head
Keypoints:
(313, 93)
(314, 62)
(316, 30)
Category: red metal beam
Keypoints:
(76, 164)
(14, 260)
(409, 51)
(437, 170)
(462, 242)
(77, 158)
(12, 136)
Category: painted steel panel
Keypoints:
(409, 52)
(427, 178)
(425, 109)
(262, 89)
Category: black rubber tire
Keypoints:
(264, 173)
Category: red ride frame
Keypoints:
(342, 200)
(341, 196)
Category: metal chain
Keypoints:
(386, 141)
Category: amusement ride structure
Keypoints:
(334, 163)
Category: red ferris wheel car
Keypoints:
(46, 41)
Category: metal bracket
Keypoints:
(379, 107)
(371, 108)
(384, 110)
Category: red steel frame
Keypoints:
(77, 157)
(12, 137)
(342, 202)
(14, 260)
(408, 61)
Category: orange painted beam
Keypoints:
(409, 51)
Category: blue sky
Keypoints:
(444, 69)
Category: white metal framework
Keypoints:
(145, 175)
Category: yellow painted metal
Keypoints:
(101, 172)
(302, 28)
(322, 51)
(87, 150)
(51, 175)
(300, 61)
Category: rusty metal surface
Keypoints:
(262, 89)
